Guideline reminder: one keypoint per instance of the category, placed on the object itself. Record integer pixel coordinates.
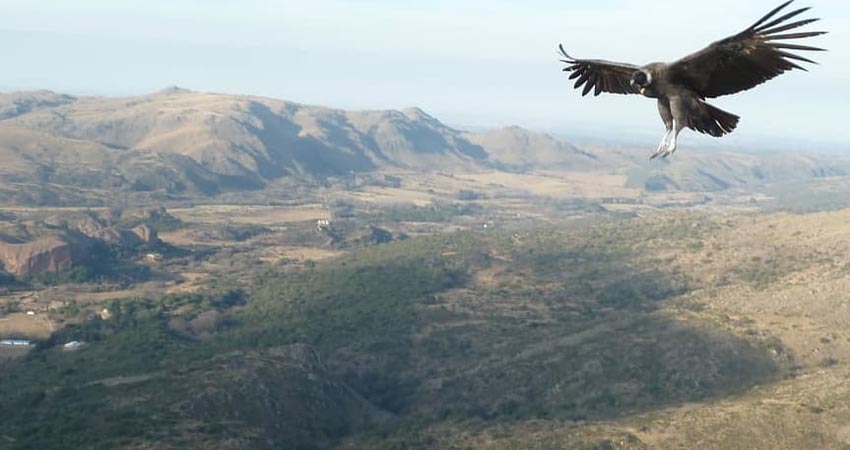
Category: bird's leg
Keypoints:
(671, 147)
(662, 146)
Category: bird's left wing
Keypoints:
(747, 59)
(600, 76)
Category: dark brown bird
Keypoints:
(728, 66)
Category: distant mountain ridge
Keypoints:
(58, 149)
(516, 148)
(182, 141)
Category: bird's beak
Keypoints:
(642, 90)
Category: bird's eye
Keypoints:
(642, 79)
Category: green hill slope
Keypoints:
(458, 331)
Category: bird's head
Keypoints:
(641, 80)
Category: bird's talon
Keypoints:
(660, 151)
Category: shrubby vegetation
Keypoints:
(78, 274)
(7, 279)
(469, 195)
(565, 329)
(434, 213)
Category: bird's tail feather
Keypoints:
(714, 121)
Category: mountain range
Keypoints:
(181, 141)
(60, 149)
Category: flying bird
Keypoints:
(734, 64)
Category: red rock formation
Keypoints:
(60, 241)
(50, 254)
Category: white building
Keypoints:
(15, 342)
(73, 345)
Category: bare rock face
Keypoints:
(52, 254)
(56, 243)
(147, 234)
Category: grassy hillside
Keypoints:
(178, 142)
(514, 148)
(420, 343)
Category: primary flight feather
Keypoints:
(734, 64)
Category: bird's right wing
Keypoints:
(601, 76)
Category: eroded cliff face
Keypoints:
(51, 254)
(58, 242)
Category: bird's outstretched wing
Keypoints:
(600, 76)
(747, 59)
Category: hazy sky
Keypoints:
(471, 62)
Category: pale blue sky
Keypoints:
(471, 62)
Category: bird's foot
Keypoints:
(662, 149)
(671, 148)
(668, 143)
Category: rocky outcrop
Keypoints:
(59, 242)
(51, 254)
(138, 236)
(97, 227)
(146, 234)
